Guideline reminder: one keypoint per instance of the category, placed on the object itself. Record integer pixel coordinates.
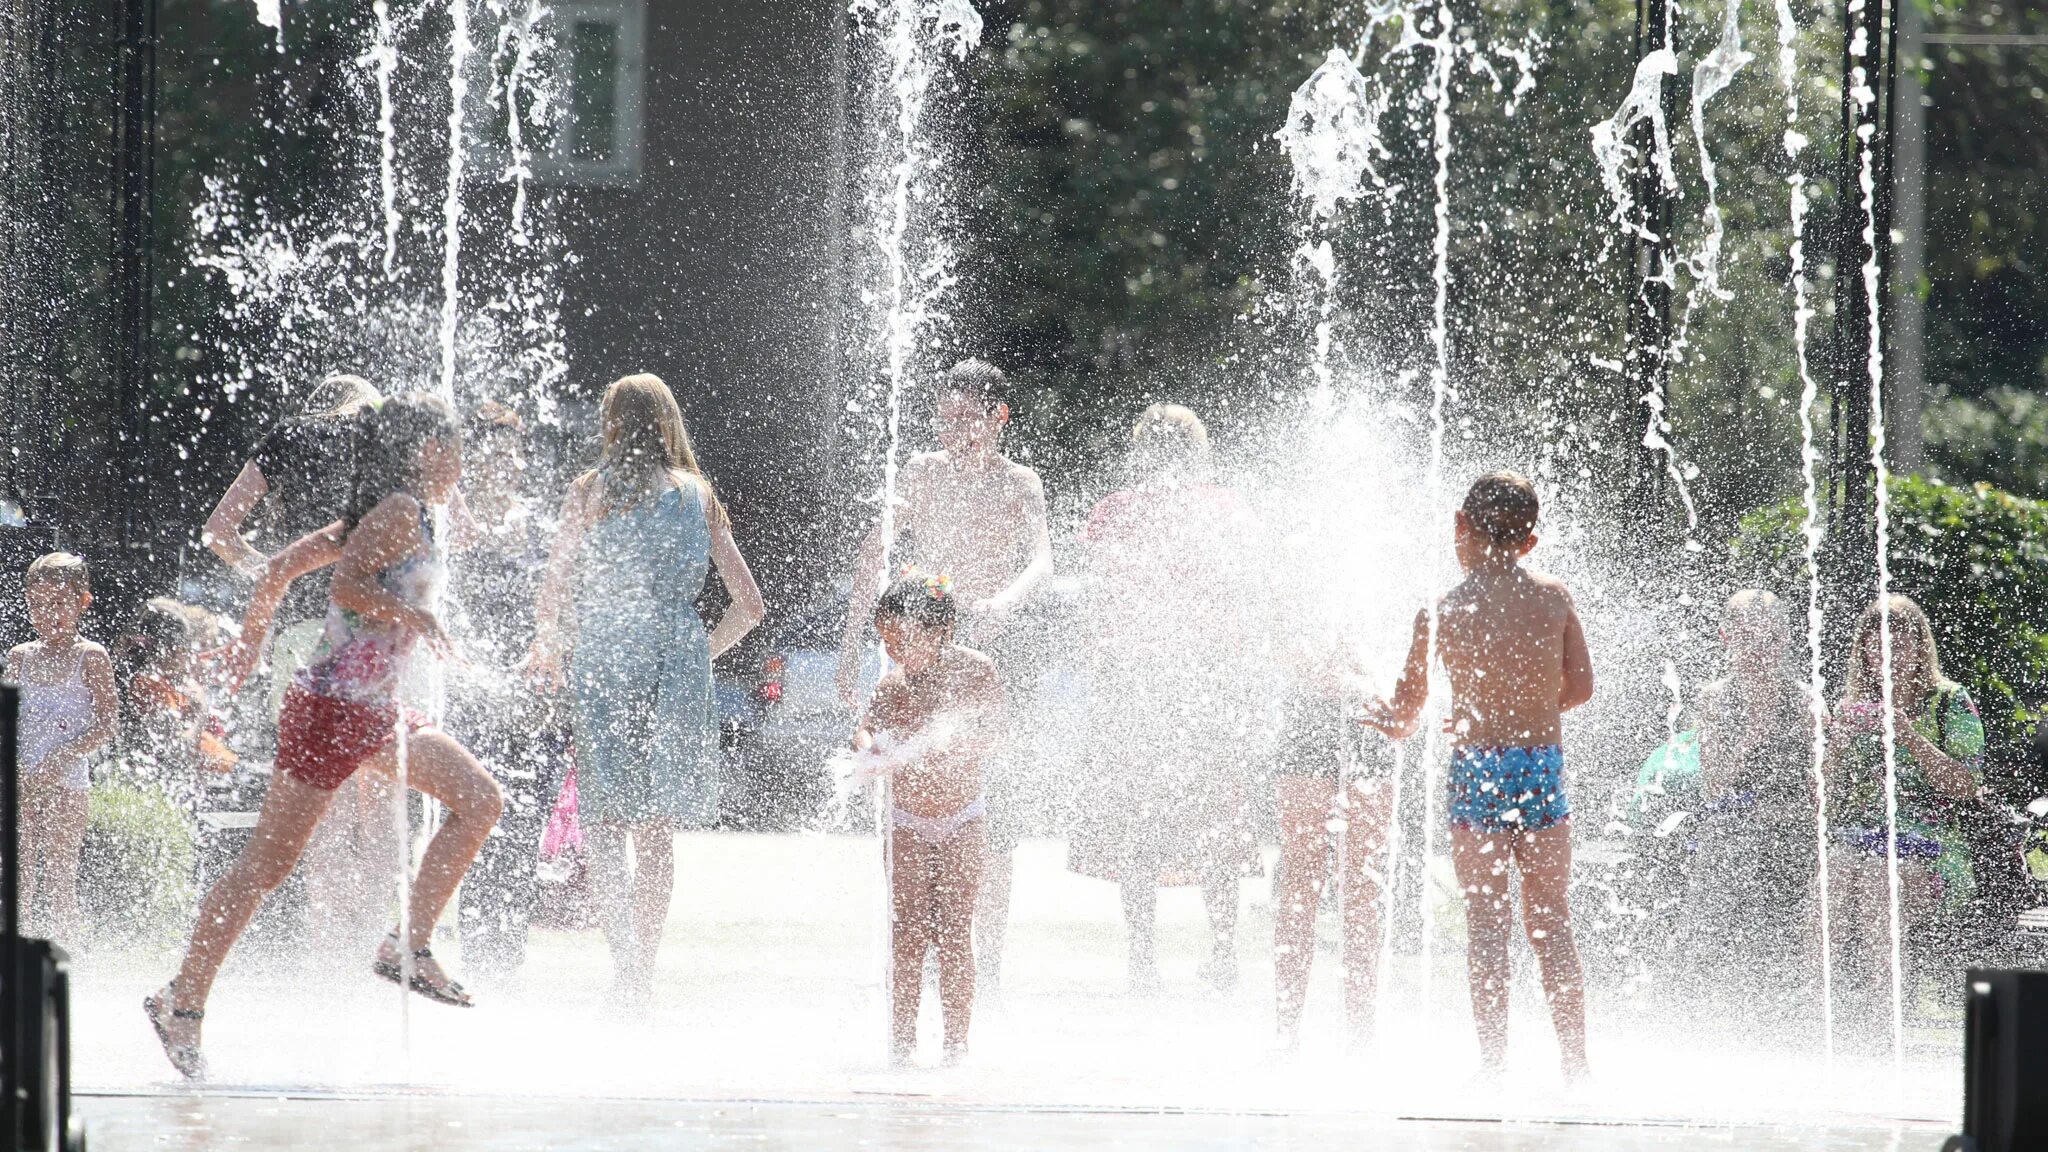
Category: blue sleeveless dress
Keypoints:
(640, 674)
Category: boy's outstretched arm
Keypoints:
(1578, 661)
(1009, 599)
(1398, 717)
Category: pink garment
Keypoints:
(563, 832)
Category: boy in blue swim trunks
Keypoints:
(1511, 643)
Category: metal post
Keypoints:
(134, 180)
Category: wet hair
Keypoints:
(341, 395)
(1909, 625)
(643, 437)
(65, 569)
(978, 380)
(1502, 506)
(925, 599)
(491, 422)
(388, 440)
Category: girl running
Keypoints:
(341, 714)
(637, 536)
(930, 728)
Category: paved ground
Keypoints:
(768, 993)
(444, 1124)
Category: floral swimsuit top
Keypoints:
(363, 660)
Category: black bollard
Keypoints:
(35, 989)
(2005, 1063)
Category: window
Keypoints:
(590, 67)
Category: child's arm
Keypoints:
(106, 703)
(1398, 717)
(223, 532)
(550, 643)
(747, 608)
(1578, 661)
(1007, 601)
(381, 540)
(309, 553)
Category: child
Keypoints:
(975, 514)
(931, 725)
(68, 710)
(171, 732)
(342, 714)
(616, 622)
(1511, 643)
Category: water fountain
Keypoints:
(409, 277)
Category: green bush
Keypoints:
(1976, 559)
(135, 872)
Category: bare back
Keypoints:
(1511, 643)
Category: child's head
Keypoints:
(915, 617)
(342, 395)
(58, 588)
(1169, 440)
(162, 639)
(1916, 662)
(1756, 630)
(1498, 518)
(973, 406)
(410, 443)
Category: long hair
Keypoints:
(1909, 626)
(643, 443)
(388, 442)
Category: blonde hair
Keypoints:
(643, 439)
(342, 395)
(1909, 623)
(63, 568)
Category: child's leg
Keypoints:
(1546, 861)
(1219, 898)
(654, 881)
(67, 821)
(444, 769)
(1365, 834)
(956, 885)
(910, 939)
(611, 875)
(291, 810)
(1481, 860)
(1304, 811)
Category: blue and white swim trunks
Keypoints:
(1507, 789)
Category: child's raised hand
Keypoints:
(231, 663)
(543, 669)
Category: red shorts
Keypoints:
(321, 740)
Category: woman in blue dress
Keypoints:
(617, 624)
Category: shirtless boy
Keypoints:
(1516, 656)
(978, 516)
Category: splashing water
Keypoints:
(915, 35)
(1611, 149)
(383, 59)
(1710, 77)
(1865, 97)
(459, 48)
(1332, 134)
(1812, 528)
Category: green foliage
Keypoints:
(1975, 558)
(135, 873)
(2000, 437)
